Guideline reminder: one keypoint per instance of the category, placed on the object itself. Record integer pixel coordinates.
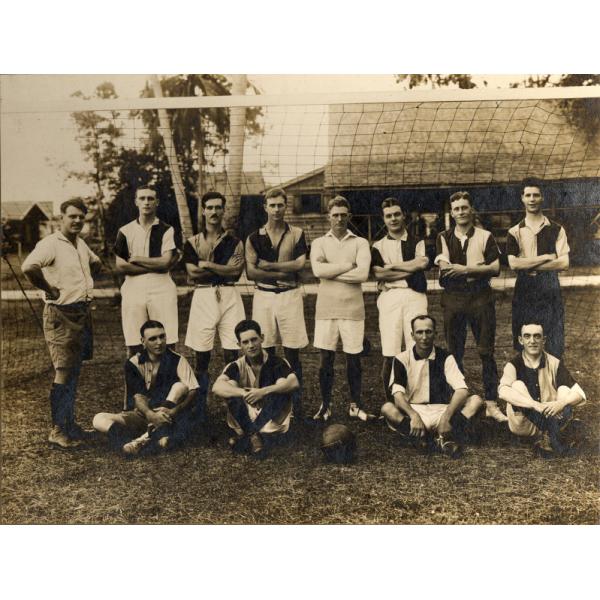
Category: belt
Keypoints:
(209, 285)
(275, 290)
(73, 307)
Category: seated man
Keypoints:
(161, 387)
(257, 389)
(541, 394)
(430, 394)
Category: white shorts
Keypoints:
(278, 425)
(519, 424)
(282, 314)
(207, 314)
(328, 331)
(151, 296)
(397, 307)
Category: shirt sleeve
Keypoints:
(363, 256)
(563, 377)
(300, 249)
(121, 248)
(282, 370)
(168, 241)
(562, 246)
(509, 375)
(189, 254)
(399, 377)
(491, 251)
(251, 255)
(454, 376)
(134, 384)
(420, 249)
(43, 255)
(442, 251)
(316, 251)
(232, 371)
(186, 375)
(376, 258)
(512, 245)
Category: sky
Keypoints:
(38, 150)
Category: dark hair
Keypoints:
(338, 201)
(530, 323)
(212, 196)
(147, 186)
(246, 325)
(75, 202)
(389, 202)
(531, 182)
(276, 193)
(150, 325)
(461, 196)
(422, 318)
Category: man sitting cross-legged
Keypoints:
(257, 389)
(161, 387)
(430, 394)
(541, 395)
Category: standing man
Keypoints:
(537, 250)
(160, 389)
(145, 251)
(468, 258)
(541, 394)
(341, 261)
(398, 261)
(275, 255)
(63, 267)
(214, 260)
(430, 396)
(257, 389)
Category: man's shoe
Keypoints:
(256, 444)
(492, 411)
(58, 437)
(76, 432)
(572, 433)
(134, 447)
(448, 447)
(355, 412)
(545, 447)
(163, 442)
(323, 414)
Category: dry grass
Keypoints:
(499, 482)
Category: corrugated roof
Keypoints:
(436, 143)
(16, 211)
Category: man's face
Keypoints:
(394, 219)
(532, 199)
(213, 211)
(532, 339)
(275, 208)
(72, 221)
(147, 202)
(339, 216)
(424, 335)
(251, 343)
(462, 212)
(155, 340)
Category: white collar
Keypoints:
(348, 235)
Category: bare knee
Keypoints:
(390, 411)
(102, 422)
(472, 406)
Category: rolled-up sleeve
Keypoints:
(454, 376)
(186, 375)
(43, 254)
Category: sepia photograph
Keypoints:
(236, 299)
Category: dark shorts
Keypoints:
(68, 333)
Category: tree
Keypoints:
(436, 81)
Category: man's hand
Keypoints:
(265, 265)
(551, 409)
(454, 270)
(203, 264)
(53, 293)
(417, 427)
(161, 416)
(444, 426)
(254, 395)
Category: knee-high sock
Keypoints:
(386, 371)
(59, 405)
(326, 376)
(354, 373)
(292, 355)
(239, 410)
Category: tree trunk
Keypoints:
(237, 127)
(165, 130)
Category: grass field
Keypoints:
(499, 482)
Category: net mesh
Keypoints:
(418, 152)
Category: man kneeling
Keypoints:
(541, 395)
(161, 388)
(257, 389)
(430, 395)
